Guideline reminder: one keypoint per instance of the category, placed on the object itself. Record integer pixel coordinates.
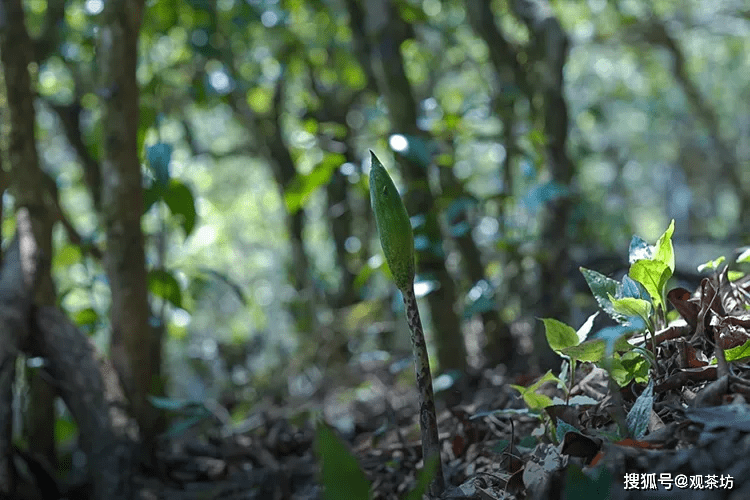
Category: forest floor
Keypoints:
(689, 429)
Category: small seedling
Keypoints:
(397, 240)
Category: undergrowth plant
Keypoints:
(397, 241)
(637, 303)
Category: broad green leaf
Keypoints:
(302, 187)
(738, 353)
(341, 475)
(592, 351)
(159, 155)
(547, 377)
(640, 414)
(637, 365)
(65, 430)
(602, 288)
(536, 402)
(653, 275)
(629, 306)
(163, 284)
(559, 335)
(181, 202)
(628, 367)
(664, 251)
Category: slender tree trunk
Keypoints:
(550, 48)
(135, 351)
(26, 184)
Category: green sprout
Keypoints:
(397, 240)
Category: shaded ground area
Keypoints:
(694, 444)
(686, 434)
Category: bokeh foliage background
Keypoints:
(255, 122)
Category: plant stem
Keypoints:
(427, 417)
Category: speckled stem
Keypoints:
(427, 416)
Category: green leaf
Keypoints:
(65, 430)
(159, 155)
(664, 251)
(181, 202)
(712, 265)
(636, 365)
(302, 187)
(630, 366)
(629, 306)
(163, 284)
(640, 414)
(151, 195)
(735, 275)
(341, 476)
(744, 256)
(536, 402)
(87, 319)
(653, 275)
(592, 351)
(602, 288)
(424, 477)
(738, 353)
(559, 335)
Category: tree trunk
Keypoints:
(135, 350)
(550, 48)
(25, 179)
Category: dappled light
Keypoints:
(275, 249)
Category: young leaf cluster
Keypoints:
(637, 303)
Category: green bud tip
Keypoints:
(393, 224)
